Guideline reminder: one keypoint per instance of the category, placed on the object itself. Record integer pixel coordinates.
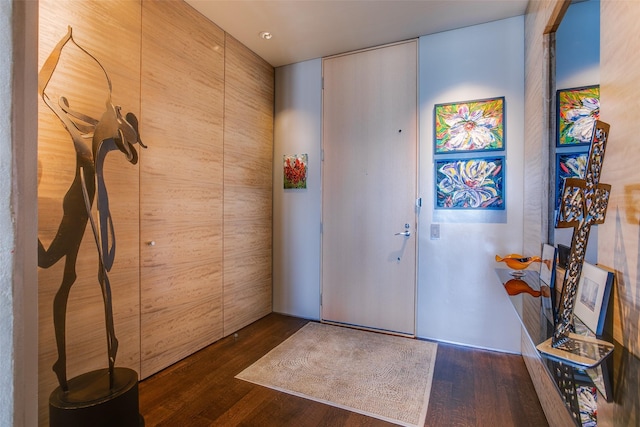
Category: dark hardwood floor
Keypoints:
(470, 388)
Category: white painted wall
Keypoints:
(7, 235)
(297, 212)
(459, 297)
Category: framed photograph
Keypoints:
(592, 297)
(547, 276)
(569, 165)
(470, 183)
(295, 170)
(548, 265)
(577, 110)
(469, 126)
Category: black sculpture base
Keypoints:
(90, 402)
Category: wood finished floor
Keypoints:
(470, 388)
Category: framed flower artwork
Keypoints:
(577, 109)
(470, 183)
(295, 170)
(470, 126)
(568, 165)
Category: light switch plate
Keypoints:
(435, 231)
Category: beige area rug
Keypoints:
(382, 376)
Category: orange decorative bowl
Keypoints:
(518, 262)
(517, 286)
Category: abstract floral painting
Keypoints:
(469, 126)
(569, 165)
(295, 171)
(588, 405)
(476, 183)
(578, 109)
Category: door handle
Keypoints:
(404, 233)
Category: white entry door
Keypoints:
(369, 188)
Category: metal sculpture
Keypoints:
(584, 204)
(110, 133)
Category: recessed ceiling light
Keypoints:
(266, 35)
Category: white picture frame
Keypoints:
(592, 297)
(548, 265)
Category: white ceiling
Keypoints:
(307, 29)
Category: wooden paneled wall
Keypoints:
(248, 163)
(201, 192)
(536, 93)
(550, 399)
(180, 183)
(619, 236)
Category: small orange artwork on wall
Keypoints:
(295, 170)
